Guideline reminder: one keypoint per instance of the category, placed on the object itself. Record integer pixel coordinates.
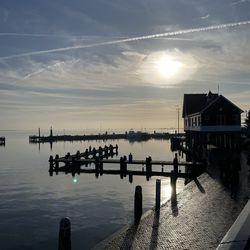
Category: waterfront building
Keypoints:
(211, 121)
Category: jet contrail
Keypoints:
(138, 38)
(31, 34)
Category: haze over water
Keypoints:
(32, 203)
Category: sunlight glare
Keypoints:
(168, 67)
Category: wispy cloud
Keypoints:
(205, 17)
(240, 2)
(167, 34)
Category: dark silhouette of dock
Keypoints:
(131, 136)
(99, 157)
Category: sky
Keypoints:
(115, 64)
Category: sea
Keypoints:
(32, 202)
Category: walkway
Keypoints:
(198, 219)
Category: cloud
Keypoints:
(85, 62)
(139, 38)
(205, 17)
(239, 2)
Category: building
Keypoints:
(210, 121)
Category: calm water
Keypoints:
(32, 203)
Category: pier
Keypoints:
(194, 220)
(131, 136)
(100, 157)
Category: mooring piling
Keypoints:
(148, 167)
(64, 242)
(125, 166)
(138, 204)
(51, 165)
(56, 163)
(130, 158)
(130, 176)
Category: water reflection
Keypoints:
(32, 203)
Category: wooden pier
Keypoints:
(99, 157)
(56, 138)
(131, 136)
(2, 141)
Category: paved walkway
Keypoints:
(198, 219)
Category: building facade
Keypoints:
(211, 121)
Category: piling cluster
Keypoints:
(72, 163)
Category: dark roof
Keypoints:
(194, 103)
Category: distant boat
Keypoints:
(138, 136)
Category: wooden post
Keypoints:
(51, 165)
(94, 152)
(101, 167)
(64, 235)
(100, 152)
(130, 177)
(125, 166)
(158, 195)
(148, 167)
(175, 164)
(138, 204)
(86, 154)
(121, 167)
(150, 164)
(56, 163)
(106, 150)
(78, 154)
(130, 158)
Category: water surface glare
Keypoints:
(32, 203)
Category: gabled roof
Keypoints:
(225, 99)
(196, 103)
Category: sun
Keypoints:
(168, 67)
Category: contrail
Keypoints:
(138, 38)
(69, 36)
(55, 35)
(31, 35)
